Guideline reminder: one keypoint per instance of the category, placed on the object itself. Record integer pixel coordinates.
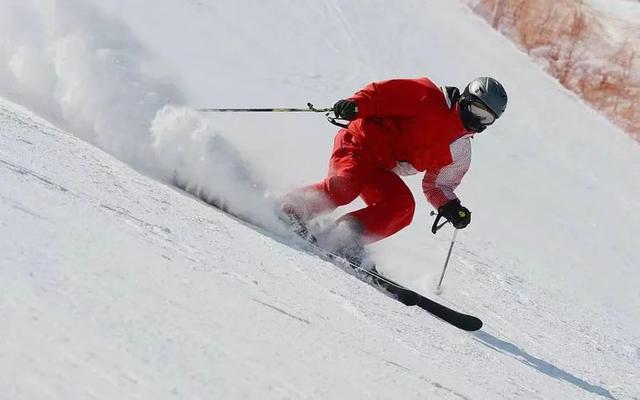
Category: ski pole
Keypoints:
(310, 108)
(446, 262)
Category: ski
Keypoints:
(404, 295)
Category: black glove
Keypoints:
(345, 109)
(455, 213)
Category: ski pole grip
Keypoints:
(436, 226)
(331, 118)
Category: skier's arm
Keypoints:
(393, 98)
(438, 185)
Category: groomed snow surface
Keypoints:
(116, 285)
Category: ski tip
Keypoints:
(471, 324)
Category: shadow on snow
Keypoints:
(542, 366)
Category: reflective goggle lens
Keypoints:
(485, 116)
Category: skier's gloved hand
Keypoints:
(345, 109)
(455, 213)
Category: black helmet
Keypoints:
(482, 102)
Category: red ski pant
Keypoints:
(352, 173)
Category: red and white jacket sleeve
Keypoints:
(439, 184)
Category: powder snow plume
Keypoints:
(84, 71)
(87, 73)
(195, 156)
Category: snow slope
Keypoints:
(621, 10)
(621, 21)
(114, 285)
(117, 287)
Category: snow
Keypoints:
(116, 285)
(621, 19)
(625, 10)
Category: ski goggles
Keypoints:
(480, 111)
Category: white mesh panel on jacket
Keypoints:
(439, 185)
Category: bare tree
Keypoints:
(565, 35)
(498, 13)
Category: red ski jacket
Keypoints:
(406, 123)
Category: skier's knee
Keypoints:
(342, 190)
(403, 211)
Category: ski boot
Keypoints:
(294, 220)
(345, 240)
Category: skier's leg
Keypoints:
(348, 169)
(390, 207)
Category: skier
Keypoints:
(398, 127)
